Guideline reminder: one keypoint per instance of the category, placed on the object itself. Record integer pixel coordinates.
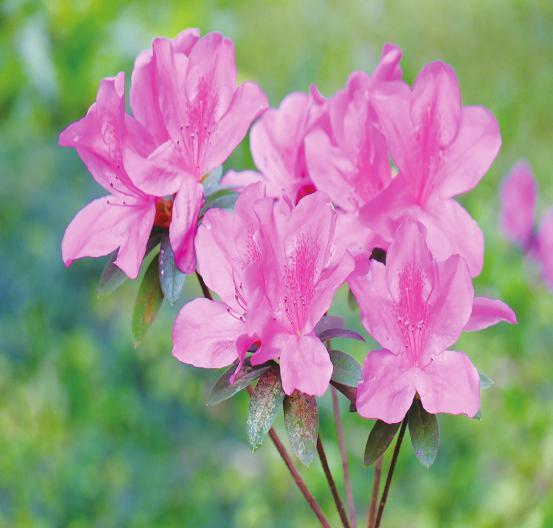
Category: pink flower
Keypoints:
(441, 149)
(275, 269)
(277, 146)
(416, 308)
(123, 219)
(184, 92)
(546, 247)
(518, 205)
(348, 159)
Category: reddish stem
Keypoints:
(332, 484)
(345, 467)
(376, 486)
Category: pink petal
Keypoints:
(240, 179)
(488, 312)
(100, 228)
(387, 389)
(451, 230)
(304, 364)
(518, 203)
(186, 208)
(205, 334)
(388, 68)
(472, 152)
(248, 102)
(437, 102)
(185, 40)
(212, 72)
(450, 384)
(449, 305)
(378, 313)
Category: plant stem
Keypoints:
(376, 485)
(313, 504)
(203, 286)
(345, 467)
(390, 473)
(332, 484)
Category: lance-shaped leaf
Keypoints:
(265, 403)
(222, 199)
(328, 322)
(112, 276)
(425, 433)
(170, 277)
(224, 389)
(485, 381)
(345, 369)
(147, 303)
(301, 419)
(379, 439)
(331, 333)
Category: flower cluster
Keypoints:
(519, 194)
(324, 208)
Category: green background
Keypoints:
(96, 433)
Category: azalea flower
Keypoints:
(441, 149)
(518, 205)
(184, 92)
(123, 219)
(277, 147)
(416, 307)
(349, 160)
(275, 268)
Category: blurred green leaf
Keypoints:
(301, 419)
(111, 278)
(224, 389)
(425, 433)
(379, 439)
(344, 333)
(352, 301)
(265, 403)
(222, 199)
(148, 302)
(171, 278)
(485, 381)
(345, 369)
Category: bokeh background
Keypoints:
(94, 432)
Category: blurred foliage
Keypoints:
(96, 433)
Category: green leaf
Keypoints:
(171, 278)
(425, 433)
(224, 389)
(265, 403)
(222, 199)
(379, 439)
(485, 381)
(112, 277)
(346, 370)
(147, 303)
(331, 333)
(301, 419)
(352, 302)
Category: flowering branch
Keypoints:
(374, 498)
(343, 454)
(332, 484)
(390, 473)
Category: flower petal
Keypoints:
(248, 102)
(450, 384)
(472, 152)
(186, 208)
(205, 334)
(387, 389)
(103, 226)
(304, 364)
(488, 312)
